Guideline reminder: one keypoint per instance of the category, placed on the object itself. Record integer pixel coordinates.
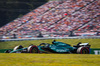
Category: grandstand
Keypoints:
(57, 19)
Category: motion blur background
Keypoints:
(12, 9)
(53, 18)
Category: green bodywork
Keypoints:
(58, 47)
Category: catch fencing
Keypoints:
(76, 37)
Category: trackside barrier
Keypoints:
(95, 51)
(3, 50)
(77, 37)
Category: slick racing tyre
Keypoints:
(15, 48)
(83, 50)
(18, 47)
(33, 49)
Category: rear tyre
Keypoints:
(83, 50)
(33, 49)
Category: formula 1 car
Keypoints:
(55, 47)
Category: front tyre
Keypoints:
(18, 47)
(33, 49)
(83, 50)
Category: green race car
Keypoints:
(55, 47)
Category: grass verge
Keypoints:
(95, 43)
(49, 60)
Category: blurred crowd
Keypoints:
(56, 18)
(92, 26)
(31, 15)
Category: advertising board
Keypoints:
(95, 51)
